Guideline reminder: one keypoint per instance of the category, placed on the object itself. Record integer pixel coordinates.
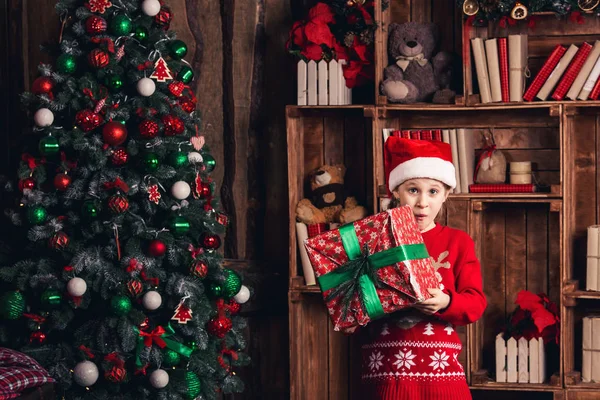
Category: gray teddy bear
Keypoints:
(415, 75)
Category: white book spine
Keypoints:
(454, 148)
(481, 70)
(590, 82)
(491, 52)
(585, 71)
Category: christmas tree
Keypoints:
(119, 289)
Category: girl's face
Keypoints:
(425, 196)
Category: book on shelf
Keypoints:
(572, 71)
(466, 157)
(446, 136)
(517, 65)
(585, 71)
(502, 188)
(454, 148)
(590, 82)
(491, 52)
(590, 371)
(595, 91)
(503, 61)
(556, 74)
(544, 72)
(426, 134)
(481, 70)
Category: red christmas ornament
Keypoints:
(210, 241)
(164, 17)
(205, 191)
(98, 6)
(161, 73)
(154, 194)
(62, 182)
(176, 88)
(119, 156)
(95, 25)
(27, 183)
(234, 307)
(157, 248)
(188, 105)
(148, 129)
(173, 125)
(223, 219)
(118, 204)
(98, 58)
(183, 314)
(42, 85)
(219, 326)
(116, 374)
(199, 268)
(134, 287)
(37, 337)
(88, 120)
(59, 241)
(114, 133)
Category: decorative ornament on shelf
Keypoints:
(519, 11)
(43, 117)
(157, 248)
(148, 129)
(118, 204)
(66, 63)
(49, 146)
(243, 295)
(95, 25)
(209, 163)
(164, 17)
(159, 378)
(59, 241)
(151, 7)
(62, 182)
(470, 7)
(173, 125)
(194, 157)
(114, 133)
(193, 385)
(199, 269)
(210, 241)
(98, 58)
(152, 300)
(85, 373)
(76, 287)
(98, 6)
(154, 194)
(146, 87)
(12, 305)
(588, 5)
(183, 313)
(181, 190)
(88, 120)
(161, 73)
(179, 225)
(232, 284)
(120, 305)
(134, 288)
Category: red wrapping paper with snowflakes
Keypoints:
(371, 268)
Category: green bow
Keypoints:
(160, 337)
(359, 274)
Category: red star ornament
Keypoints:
(154, 194)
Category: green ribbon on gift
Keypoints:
(160, 337)
(360, 272)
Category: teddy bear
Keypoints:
(415, 75)
(329, 201)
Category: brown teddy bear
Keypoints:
(329, 202)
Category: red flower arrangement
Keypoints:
(535, 317)
(338, 30)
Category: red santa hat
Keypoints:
(409, 158)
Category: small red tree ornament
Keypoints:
(161, 73)
(183, 314)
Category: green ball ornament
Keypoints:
(120, 305)
(121, 25)
(192, 382)
(215, 290)
(37, 215)
(232, 285)
(178, 49)
(12, 305)
(179, 225)
(49, 146)
(150, 161)
(51, 298)
(114, 82)
(178, 159)
(185, 74)
(66, 63)
(141, 33)
(90, 209)
(171, 358)
(209, 162)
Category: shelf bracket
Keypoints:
(369, 112)
(554, 110)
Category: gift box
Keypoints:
(373, 267)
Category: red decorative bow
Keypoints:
(31, 161)
(110, 45)
(114, 359)
(153, 281)
(87, 351)
(154, 337)
(117, 184)
(134, 265)
(195, 251)
(146, 65)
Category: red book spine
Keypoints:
(405, 134)
(415, 135)
(595, 93)
(395, 133)
(437, 135)
(427, 134)
(572, 70)
(503, 54)
(501, 188)
(545, 72)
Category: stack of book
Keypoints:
(568, 72)
(500, 66)
(462, 143)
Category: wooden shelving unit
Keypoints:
(534, 241)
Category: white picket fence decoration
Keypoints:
(322, 83)
(523, 361)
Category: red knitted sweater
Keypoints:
(413, 356)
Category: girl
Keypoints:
(413, 354)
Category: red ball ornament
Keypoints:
(199, 269)
(98, 58)
(187, 104)
(210, 241)
(62, 182)
(119, 157)
(118, 204)
(205, 191)
(148, 129)
(95, 25)
(157, 248)
(234, 307)
(88, 120)
(164, 17)
(27, 183)
(42, 85)
(114, 133)
(59, 241)
(219, 326)
(115, 374)
(37, 337)
(173, 125)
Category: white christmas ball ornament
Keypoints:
(85, 373)
(151, 7)
(159, 379)
(181, 190)
(194, 157)
(76, 287)
(152, 300)
(43, 117)
(146, 87)
(243, 295)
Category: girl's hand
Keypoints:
(439, 301)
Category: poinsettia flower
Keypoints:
(366, 15)
(361, 50)
(319, 33)
(356, 73)
(297, 35)
(341, 51)
(313, 52)
(527, 300)
(321, 13)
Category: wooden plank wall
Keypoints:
(244, 124)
